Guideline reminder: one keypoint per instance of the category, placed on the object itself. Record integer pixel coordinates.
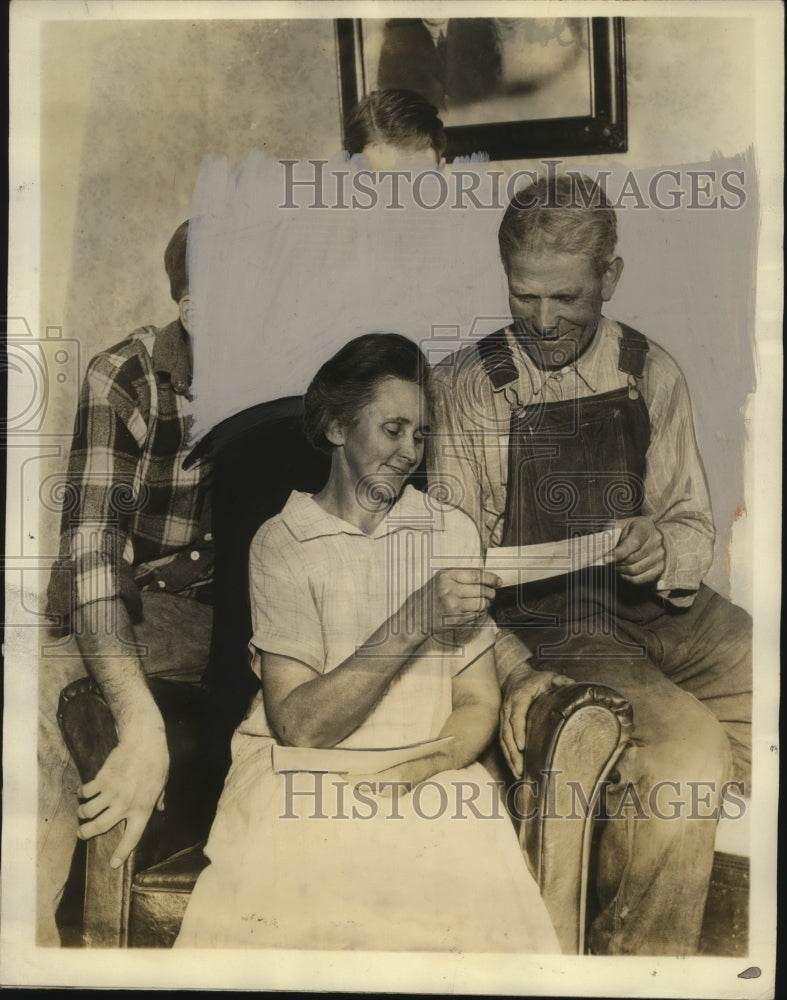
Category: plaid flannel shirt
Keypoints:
(133, 518)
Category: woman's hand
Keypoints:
(453, 597)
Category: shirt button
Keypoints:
(194, 555)
(161, 584)
(208, 536)
(558, 377)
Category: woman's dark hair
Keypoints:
(348, 381)
(399, 118)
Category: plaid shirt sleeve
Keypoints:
(103, 487)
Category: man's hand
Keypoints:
(522, 688)
(131, 782)
(640, 556)
(128, 787)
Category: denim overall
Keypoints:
(574, 467)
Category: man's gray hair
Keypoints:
(568, 213)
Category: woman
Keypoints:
(370, 632)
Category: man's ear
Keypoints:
(184, 310)
(610, 278)
(335, 433)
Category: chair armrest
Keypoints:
(198, 762)
(87, 726)
(575, 734)
(195, 773)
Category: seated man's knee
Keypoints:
(679, 743)
(708, 752)
(729, 626)
(701, 761)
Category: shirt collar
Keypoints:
(586, 366)
(437, 32)
(307, 520)
(172, 357)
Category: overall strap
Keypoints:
(634, 348)
(497, 359)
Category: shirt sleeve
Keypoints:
(676, 491)
(454, 472)
(285, 617)
(101, 492)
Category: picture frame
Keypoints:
(601, 129)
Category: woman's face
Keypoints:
(385, 443)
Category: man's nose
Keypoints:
(545, 316)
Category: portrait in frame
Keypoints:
(510, 87)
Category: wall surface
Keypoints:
(129, 110)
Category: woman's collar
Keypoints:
(306, 519)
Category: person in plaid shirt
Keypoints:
(131, 588)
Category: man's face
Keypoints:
(557, 299)
(185, 312)
(381, 156)
(436, 23)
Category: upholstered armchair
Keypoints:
(576, 732)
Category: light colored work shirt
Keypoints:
(468, 449)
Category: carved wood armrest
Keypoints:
(575, 734)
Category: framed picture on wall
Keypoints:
(508, 87)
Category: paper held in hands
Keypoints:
(343, 760)
(539, 562)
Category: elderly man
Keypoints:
(558, 425)
(131, 587)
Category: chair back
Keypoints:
(259, 457)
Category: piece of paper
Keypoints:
(347, 760)
(516, 565)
